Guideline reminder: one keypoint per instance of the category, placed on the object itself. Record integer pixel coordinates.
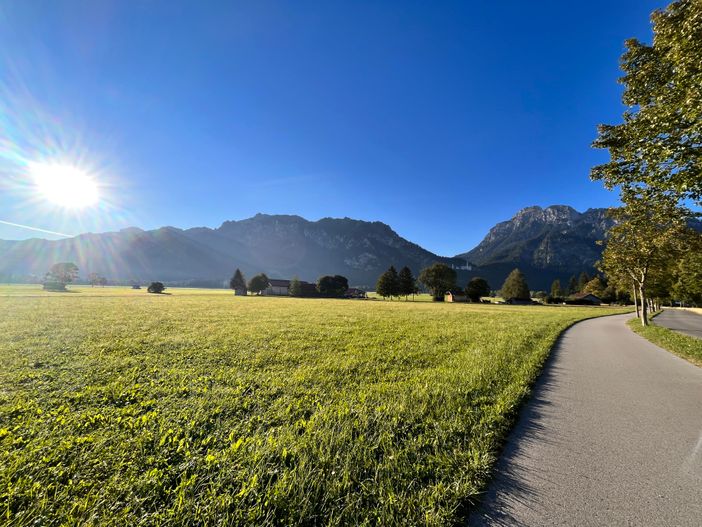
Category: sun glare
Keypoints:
(64, 185)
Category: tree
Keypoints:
(583, 279)
(407, 284)
(596, 287)
(59, 275)
(477, 288)
(64, 272)
(556, 291)
(516, 287)
(687, 274)
(238, 283)
(295, 288)
(258, 283)
(156, 287)
(657, 147)
(332, 286)
(438, 278)
(388, 284)
(649, 234)
(572, 285)
(96, 279)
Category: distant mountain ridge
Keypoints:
(282, 246)
(545, 243)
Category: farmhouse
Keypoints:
(587, 299)
(278, 287)
(455, 295)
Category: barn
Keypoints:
(584, 299)
(277, 287)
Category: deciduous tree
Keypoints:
(438, 278)
(258, 283)
(332, 286)
(657, 147)
(649, 233)
(295, 288)
(477, 288)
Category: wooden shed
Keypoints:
(455, 295)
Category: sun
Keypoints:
(64, 185)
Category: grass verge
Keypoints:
(685, 346)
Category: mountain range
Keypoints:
(546, 243)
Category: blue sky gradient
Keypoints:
(438, 118)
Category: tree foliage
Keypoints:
(649, 235)
(332, 286)
(258, 283)
(388, 284)
(237, 281)
(686, 273)
(438, 278)
(295, 288)
(407, 283)
(516, 287)
(63, 272)
(156, 287)
(657, 147)
(556, 290)
(477, 288)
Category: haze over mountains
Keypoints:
(545, 243)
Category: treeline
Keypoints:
(597, 285)
(328, 286)
(438, 279)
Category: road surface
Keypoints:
(611, 436)
(680, 320)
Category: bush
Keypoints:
(53, 285)
(156, 287)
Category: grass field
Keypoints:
(685, 346)
(200, 408)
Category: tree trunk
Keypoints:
(644, 306)
(636, 302)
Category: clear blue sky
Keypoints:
(438, 118)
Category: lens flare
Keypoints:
(64, 185)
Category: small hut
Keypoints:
(455, 295)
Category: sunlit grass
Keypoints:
(685, 346)
(201, 408)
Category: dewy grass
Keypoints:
(118, 407)
(685, 346)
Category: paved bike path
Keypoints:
(680, 320)
(611, 436)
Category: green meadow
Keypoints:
(118, 407)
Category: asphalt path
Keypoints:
(611, 436)
(680, 320)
